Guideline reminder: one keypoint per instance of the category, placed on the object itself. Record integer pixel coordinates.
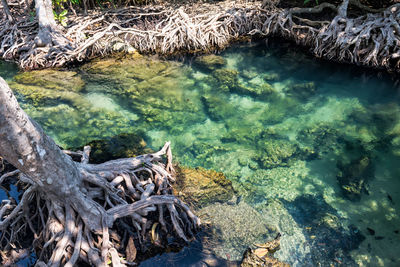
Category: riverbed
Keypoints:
(312, 146)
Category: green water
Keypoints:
(313, 146)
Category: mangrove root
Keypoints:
(134, 195)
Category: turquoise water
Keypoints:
(312, 146)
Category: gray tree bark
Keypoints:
(47, 23)
(24, 144)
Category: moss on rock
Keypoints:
(124, 145)
(153, 88)
(52, 79)
(210, 62)
(202, 187)
(353, 177)
(225, 80)
(50, 87)
(218, 106)
(277, 153)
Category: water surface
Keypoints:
(313, 146)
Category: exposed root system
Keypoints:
(137, 202)
(372, 39)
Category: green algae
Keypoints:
(49, 87)
(210, 62)
(224, 80)
(154, 88)
(201, 187)
(125, 145)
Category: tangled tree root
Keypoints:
(372, 39)
(134, 193)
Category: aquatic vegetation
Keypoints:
(155, 89)
(218, 106)
(276, 153)
(52, 79)
(125, 145)
(353, 177)
(210, 62)
(224, 80)
(92, 124)
(202, 187)
(50, 87)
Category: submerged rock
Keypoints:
(275, 153)
(263, 256)
(234, 228)
(202, 187)
(271, 77)
(155, 89)
(225, 80)
(302, 90)
(256, 90)
(52, 79)
(124, 145)
(50, 87)
(64, 121)
(353, 177)
(218, 107)
(210, 62)
(329, 238)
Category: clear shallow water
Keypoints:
(314, 147)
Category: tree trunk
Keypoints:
(24, 145)
(82, 200)
(47, 23)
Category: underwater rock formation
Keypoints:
(234, 227)
(353, 177)
(50, 87)
(202, 187)
(224, 80)
(52, 79)
(330, 240)
(218, 106)
(263, 256)
(301, 90)
(155, 89)
(125, 145)
(210, 62)
(275, 153)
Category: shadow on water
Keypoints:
(330, 242)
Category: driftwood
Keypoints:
(372, 39)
